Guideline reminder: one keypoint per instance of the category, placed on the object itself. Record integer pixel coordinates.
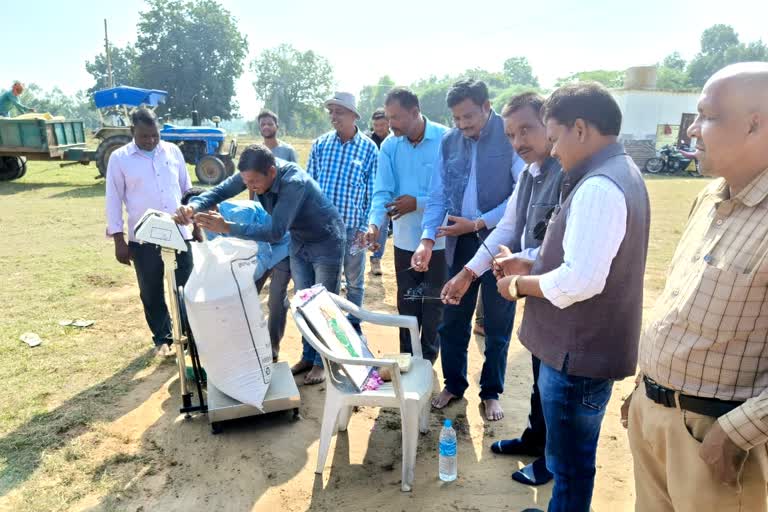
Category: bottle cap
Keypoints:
(447, 423)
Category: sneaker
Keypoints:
(376, 266)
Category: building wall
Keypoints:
(643, 111)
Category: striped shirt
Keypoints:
(708, 333)
(345, 173)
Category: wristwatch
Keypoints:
(513, 291)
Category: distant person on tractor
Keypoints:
(10, 99)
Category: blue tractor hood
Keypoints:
(178, 133)
(130, 96)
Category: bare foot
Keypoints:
(315, 376)
(493, 410)
(163, 350)
(301, 367)
(443, 399)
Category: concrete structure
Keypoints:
(645, 109)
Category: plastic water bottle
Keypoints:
(447, 465)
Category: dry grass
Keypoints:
(55, 448)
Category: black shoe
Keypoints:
(532, 510)
(516, 447)
(533, 474)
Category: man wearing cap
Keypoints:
(343, 162)
(378, 132)
(10, 99)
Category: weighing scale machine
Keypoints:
(158, 228)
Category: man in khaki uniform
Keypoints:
(698, 420)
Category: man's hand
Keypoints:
(401, 205)
(502, 285)
(460, 226)
(455, 289)
(372, 237)
(724, 458)
(625, 410)
(184, 215)
(422, 255)
(508, 265)
(212, 221)
(122, 251)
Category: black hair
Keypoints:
(189, 194)
(529, 99)
(267, 113)
(588, 101)
(378, 114)
(145, 116)
(469, 88)
(405, 97)
(256, 157)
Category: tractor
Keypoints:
(202, 146)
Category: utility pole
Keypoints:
(111, 82)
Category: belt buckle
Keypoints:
(659, 394)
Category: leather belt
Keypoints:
(706, 406)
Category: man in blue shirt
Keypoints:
(401, 191)
(343, 162)
(296, 205)
(474, 176)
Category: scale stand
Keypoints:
(158, 228)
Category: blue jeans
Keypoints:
(456, 329)
(277, 303)
(573, 410)
(382, 241)
(307, 274)
(354, 275)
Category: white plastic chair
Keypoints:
(409, 391)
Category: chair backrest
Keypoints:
(329, 331)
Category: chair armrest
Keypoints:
(403, 321)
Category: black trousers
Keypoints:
(429, 313)
(150, 274)
(535, 433)
(277, 301)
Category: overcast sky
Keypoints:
(49, 41)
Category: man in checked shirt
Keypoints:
(343, 162)
(698, 420)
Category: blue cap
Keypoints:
(447, 423)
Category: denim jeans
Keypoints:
(573, 410)
(455, 331)
(277, 301)
(150, 273)
(354, 275)
(429, 313)
(307, 274)
(382, 241)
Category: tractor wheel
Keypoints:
(105, 150)
(12, 168)
(228, 164)
(654, 165)
(210, 170)
(23, 164)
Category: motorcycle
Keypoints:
(670, 160)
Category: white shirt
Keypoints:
(503, 234)
(597, 223)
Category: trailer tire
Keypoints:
(210, 170)
(229, 165)
(105, 150)
(12, 168)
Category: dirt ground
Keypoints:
(267, 463)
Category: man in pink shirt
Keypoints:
(147, 173)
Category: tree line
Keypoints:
(194, 50)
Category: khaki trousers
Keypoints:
(670, 476)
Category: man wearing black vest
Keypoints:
(585, 290)
(471, 182)
(518, 237)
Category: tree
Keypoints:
(193, 50)
(610, 79)
(293, 84)
(77, 107)
(125, 70)
(674, 61)
(372, 97)
(720, 47)
(717, 39)
(520, 72)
